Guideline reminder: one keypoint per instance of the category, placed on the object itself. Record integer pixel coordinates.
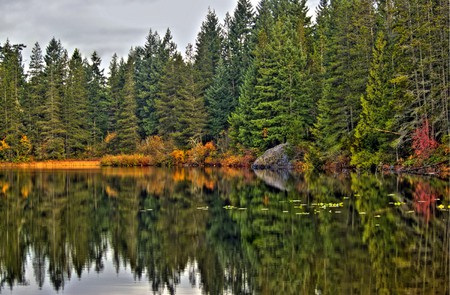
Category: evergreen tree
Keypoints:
(374, 134)
(240, 119)
(208, 50)
(51, 124)
(239, 42)
(192, 114)
(12, 91)
(347, 54)
(98, 104)
(220, 101)
(221, 97)
(75, 108)
(35, 99)
(168, 102)
(149, 68)
(115, 84)
(281, 107)
(127, 128)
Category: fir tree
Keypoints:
(374, 134)
(208, 50)
(75, 108)
(127, 128)
(35, 97)
(51, 124)
(192, 114)
(12, 89)
(98, 103)
(168, 102)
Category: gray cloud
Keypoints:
(107, 26)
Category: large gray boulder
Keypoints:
(274, 158)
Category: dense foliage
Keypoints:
(356, 85)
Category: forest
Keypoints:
(363, 82)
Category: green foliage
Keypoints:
(98, 105)
(75, 108)
(356, 83)
(127, 125)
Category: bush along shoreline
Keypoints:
(432, 161)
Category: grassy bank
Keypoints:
(54, 164)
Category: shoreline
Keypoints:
(53, 164)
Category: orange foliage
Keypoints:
(126, 161)
(178, 156)
(155, 147)
(245, 160)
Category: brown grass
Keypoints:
(55, 164)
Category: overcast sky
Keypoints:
(106, 26)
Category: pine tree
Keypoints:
(150, 64)
(168, 101)
(280, 107)
(75, 108)
(239, 40)
(208, 50)
(240, 119)
(35, 99)
(348, 33)
(192, 114)
(221, 97)
(98, 103)
(115, 84)
(220, 101)
(12, 91)
(374, 134)
(127, 128)
(51, 124)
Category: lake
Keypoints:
(221, 231)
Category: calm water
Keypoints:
(146, 231)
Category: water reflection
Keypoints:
(223, 231)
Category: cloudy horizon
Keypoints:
(106, 26)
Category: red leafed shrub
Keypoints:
(422, 143)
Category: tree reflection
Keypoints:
(227, 230)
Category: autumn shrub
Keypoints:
(178, 157)
(201, 154)
(422, 142)
(126, 160)
(158, 149)
(244, 159)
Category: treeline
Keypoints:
(366, 83)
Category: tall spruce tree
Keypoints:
(75, 108)
(280, 108)
(193, 117)
(12, 91)
(220, 100)
(98, 103)
(51, 123)
(35, 97)
(349, 31)
(208, 50)
(127, 125)
(149, 67)
(168, 102)
(374, 135)
(239, 44)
